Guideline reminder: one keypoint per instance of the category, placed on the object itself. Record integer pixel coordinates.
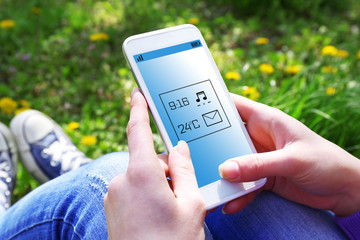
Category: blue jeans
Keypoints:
(71, 207)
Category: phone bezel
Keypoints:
(215, 193)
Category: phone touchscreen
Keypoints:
(193, 106)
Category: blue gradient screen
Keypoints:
(193, 106)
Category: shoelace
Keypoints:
(5, 180)
(65, 154)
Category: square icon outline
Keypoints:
(171, 122)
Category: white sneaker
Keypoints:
(46, 151)
(8, 166)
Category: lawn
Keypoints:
(64, 58)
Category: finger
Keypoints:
(140, 138)
(256, 166)
(259, 119)
(163, 158)
(247, 107)
(239, 204)
(182, 171)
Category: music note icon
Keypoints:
(198, 94)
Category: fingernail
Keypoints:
(183, 149)
(229, 170)
(223, 211)
(221, 171)
(134, 91)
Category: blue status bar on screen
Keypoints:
(167, 51)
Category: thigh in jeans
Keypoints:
(272, 217)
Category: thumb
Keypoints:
(181, 171)
(255, 166)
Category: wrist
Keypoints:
(353, 186)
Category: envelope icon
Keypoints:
(212, 118)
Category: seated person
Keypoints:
(127, 195)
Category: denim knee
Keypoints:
(69, 207)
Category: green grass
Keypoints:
(48, 59)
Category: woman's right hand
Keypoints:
(299, 164)
(141, 204)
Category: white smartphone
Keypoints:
(189, 101)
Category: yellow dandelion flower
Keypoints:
(233, 75)
(266, 68)
(20, 110)
(73, 125)
(358, 54)
(36, 10)
(194, 21)
(7, 105)
(292, 69)
(329, 50)
(7, 23)
(24, 103)
(329, 69)
(330, 91)
(262, 41)
(88, 140)
(342, 54)
(123, 72)
(99, 37)
(251, 93)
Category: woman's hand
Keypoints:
(141, 204)
(300, 165)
